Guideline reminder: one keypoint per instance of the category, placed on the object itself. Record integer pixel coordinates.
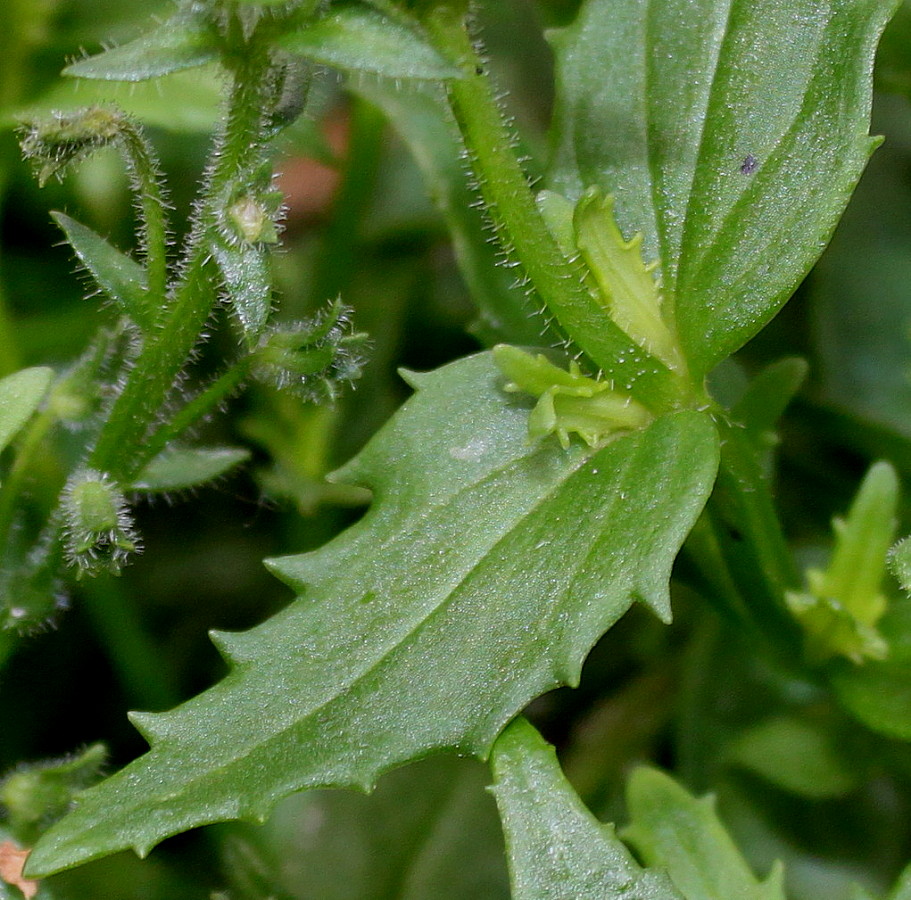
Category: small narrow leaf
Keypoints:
(357, 38)
(121, 278)
(480, 578)
(556, 848)
(672, 829)
(20, 395)
(731, 133)
(178, 469)
(247, 276)
(183, 42)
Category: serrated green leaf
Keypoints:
(358, 38)
(118, 275)
(731, 133)
(247, 277)
(185, 41)
(682, 834)
(482, 575)
(179, 469)
(557, 850)
(20, 395)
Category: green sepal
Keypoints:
(180, 468)
(358, 38)
(626, 284)
(120, 277)
(20, 396)
(185, 41)
(684, 836)
(556, 849)
(568, 401)
(428, 624)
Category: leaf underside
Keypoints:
(731, 132)
(480, 578)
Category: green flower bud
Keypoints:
(98, 528)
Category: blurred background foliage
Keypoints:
(361, 222)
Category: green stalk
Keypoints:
(215, 394)
(147, 183)
(559, 280)
(157, 368)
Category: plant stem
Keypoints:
(217, 392)
(163, 356)
(559, 280)
(152, 204)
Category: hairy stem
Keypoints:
(164, 354)
(558, 280)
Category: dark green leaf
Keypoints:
(672, 829)
(731, 132)
(357, 38)
(556, 848)
(119, 276)
(480, 578)
(177, 469)
(20, 395)
(183, 42)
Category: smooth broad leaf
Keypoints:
(557, 850)
(118, 275)
(682, 834)
(878, 692)
(20, 395)
(480, 578)
(902, 890)
(179, 469)
(185, 41)
(731, 133)
(358, 38)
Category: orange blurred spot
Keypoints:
(12, 862)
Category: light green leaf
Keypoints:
(247, 275)
(428, 832)
(878, 693)
(797, 755)
(358, 38)
(557, 850)
(902, 890)
(182, 102)
(731, 133)
(178, 469)
(480, 578)
(20, 395)
(682, 834)
(118, 275)
(185, 41)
